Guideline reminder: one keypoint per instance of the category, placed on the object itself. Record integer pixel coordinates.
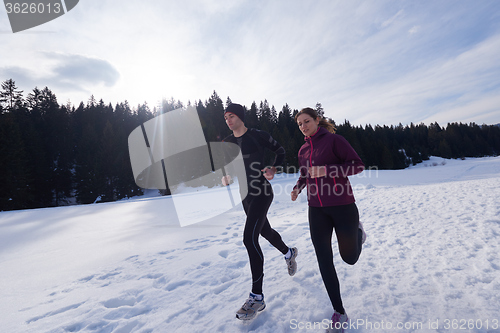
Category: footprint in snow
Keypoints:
(107, 276)
(55, 312)
(127, 312)
(74, 327)
(119, 302)
(237, 265)
(174, 285)
(152, 276)
(160, 283)
(165, 252)
(86, 279)
(204, 264)
(217, 290)
(224, 253)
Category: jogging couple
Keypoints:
(325, 159)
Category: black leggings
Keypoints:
(256, 207)
(345, 221)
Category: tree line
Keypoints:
(53, 154)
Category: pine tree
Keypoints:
(265, 118)
(319, 110)
(444, 149)
(15, 174)
(217, 129)
(251, 117)
(10, 97)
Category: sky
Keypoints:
(368, 62)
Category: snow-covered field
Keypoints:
(431, 262)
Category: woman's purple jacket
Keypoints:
(333, 151)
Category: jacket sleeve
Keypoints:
(302, 181)
(227, 168)
(268, 142)
(350, 164)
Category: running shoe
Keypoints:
(251, 307)
(339, 323)
(363, 238)
(291, 263)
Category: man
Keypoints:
(253, 143)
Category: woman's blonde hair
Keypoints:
(322, 121)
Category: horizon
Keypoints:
(185, 104)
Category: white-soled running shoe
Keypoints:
(339, 323)
(251, 307)
(363, 238)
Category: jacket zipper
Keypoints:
(316, 179)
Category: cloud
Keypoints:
(369, 63)
(414, 29)
(391, 20)
(82, 70)
(22, 76)
(442, 90)
(485, 110)
(72, 74)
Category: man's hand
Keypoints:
(269, 172)
(295, 194)
(226, 180)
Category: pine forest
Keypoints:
(53, 155)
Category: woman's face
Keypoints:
(307, 124)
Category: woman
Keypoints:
(252, 143)
(326, 159)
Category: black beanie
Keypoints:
(236, 109)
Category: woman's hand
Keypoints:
(294, 194)
(226, 180)
(317, 171)
(269, 172)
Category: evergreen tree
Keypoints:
(319, 110)
(126, 121)
(215, 114)
(265, 118)
(15, 174)
(107, 163)
(57, 141)
(88, 179)
(273, 116)
(251, 116)
(10, 97)
(444, 149)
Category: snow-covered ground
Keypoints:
(431, 262)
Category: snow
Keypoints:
(431, 261)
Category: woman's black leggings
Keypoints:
(345, 221)
(256, 207)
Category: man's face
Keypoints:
(232, 121)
